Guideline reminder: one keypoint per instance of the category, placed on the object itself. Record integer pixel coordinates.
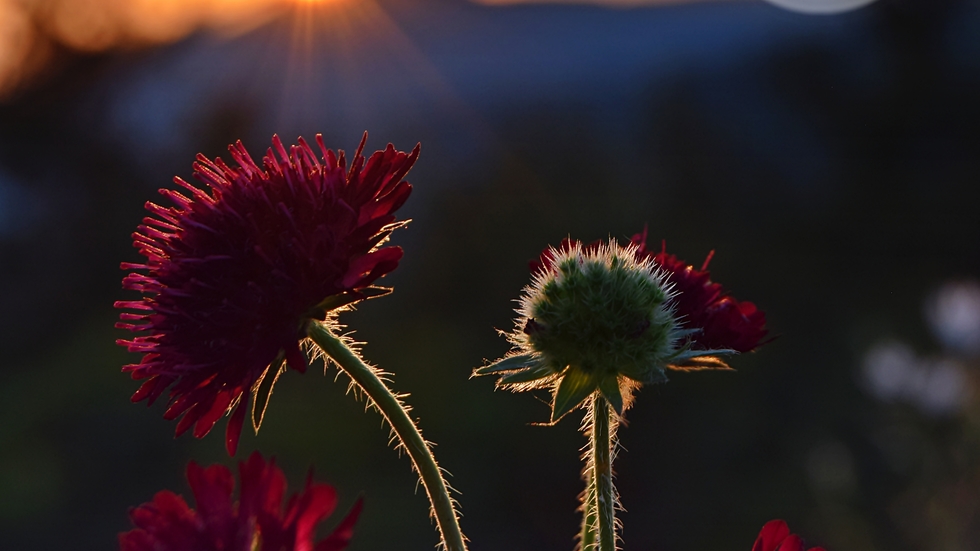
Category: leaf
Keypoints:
(509, 363)
(575, 386)
(263, 389)
(609, 387)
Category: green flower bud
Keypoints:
(594, 318)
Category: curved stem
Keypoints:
(394, 412)
(602, 473)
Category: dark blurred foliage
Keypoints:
(832, 162)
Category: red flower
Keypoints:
(232, 275)
(775, 536)
(256, 523)
(724, 321)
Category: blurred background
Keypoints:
(831, 160)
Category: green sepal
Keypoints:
(681, 333)
(701, 363)
(332, 303)
(373, 291)
(609, 387)
(263, 389)
(532, 373)
(575, 386)
(685, 355)
(509, 363)
(385, 232)
(379, 238)
(343, 299)
(655, 376)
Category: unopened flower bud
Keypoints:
(595, 317)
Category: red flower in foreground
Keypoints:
(256, 523)
(724, 321)
(232, 275)
(775, 536)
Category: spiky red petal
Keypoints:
(724, 323)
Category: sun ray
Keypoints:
(339, 63)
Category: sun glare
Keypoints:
(319, 49)
(28, 30)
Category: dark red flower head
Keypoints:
(775, 536)
(724, 322)
(257, 522)
(234, 271)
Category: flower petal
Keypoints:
(365, 269)
(771, 535)
(792, 543)
(342, 534)
(234, 429)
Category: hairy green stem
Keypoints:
(602, 473)
(405, 429)
(587, 536)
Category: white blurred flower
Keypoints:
(892, 372)
(953, 312)
(889, 369)
(944, 390)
